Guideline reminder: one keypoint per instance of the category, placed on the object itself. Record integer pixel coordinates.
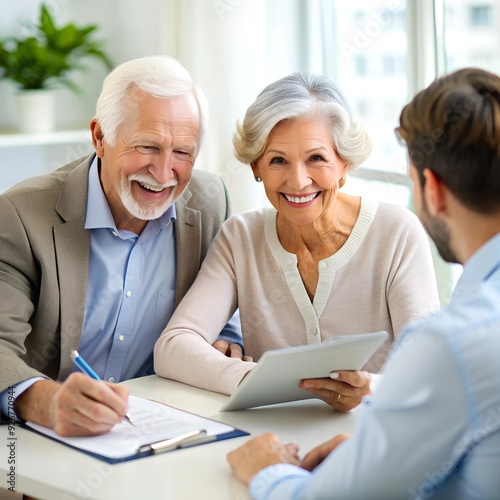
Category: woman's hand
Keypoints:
(344, 390)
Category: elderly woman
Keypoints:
(318, 263)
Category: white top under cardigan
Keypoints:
(380, 279)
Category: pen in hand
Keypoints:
(85, 368)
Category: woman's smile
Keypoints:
(301, 200)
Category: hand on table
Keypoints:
(231, 350)
(344, 392)
(318, 454)
(265, 450)
(260, 452)
(80, 406)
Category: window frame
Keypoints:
(426, 60)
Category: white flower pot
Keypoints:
(36, 111)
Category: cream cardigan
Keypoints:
(380, 279)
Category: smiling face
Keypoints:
(151, 163)
(300, 169)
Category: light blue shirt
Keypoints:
(432, 427)
(130, 292)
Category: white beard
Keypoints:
(146, 211)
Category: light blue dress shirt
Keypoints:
(130, 292)
(432, 427)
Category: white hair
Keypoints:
(301, 96)
(160, 76)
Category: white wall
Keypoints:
(129, 29)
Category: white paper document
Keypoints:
(157, 427)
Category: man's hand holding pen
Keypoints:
(81, 406)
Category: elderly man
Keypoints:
(96, 255)
(432, 428)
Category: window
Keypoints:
(477, 47)
(393, 65)
(480, 15)
(403, 45)
(371, 71)
(361, 65)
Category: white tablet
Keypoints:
(276, 377)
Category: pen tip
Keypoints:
(129, 418)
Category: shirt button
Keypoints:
(322, 265)
(289, 261)
(314, 331)
(114, 233)
(121, 338)
(111, 379)
(129, 294)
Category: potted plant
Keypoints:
(44, 59)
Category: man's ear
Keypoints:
(434, 192)
(97, 137)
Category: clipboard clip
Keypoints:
(172, 443)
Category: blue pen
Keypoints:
(85, 368)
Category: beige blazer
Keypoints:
(44, 259)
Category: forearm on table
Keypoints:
(190, 359)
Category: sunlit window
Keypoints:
(480, 15)
(371, 71)
(472, 34)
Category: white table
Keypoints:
(49, 470)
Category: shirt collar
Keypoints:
(99, 215)
(480, 265)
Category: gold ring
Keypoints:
(339, 396)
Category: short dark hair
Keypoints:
(453, 129)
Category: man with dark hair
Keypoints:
(432, 427)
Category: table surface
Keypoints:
(49, 470)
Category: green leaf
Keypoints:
(51, 54)
(46, 22)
